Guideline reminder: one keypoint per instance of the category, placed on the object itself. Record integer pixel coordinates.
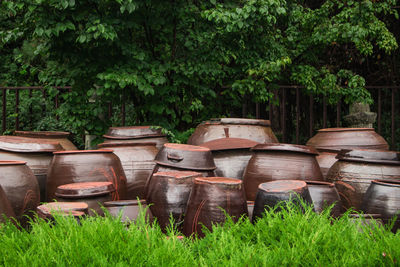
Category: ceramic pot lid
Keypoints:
(83, 190)
(370, 156)
(239, 121)
(28, 145)
(42, 134)
(285, 147)
(229, 143)
(133, 132)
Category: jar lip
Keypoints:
(370, 156)
(186, 147)
(217, 181)
(84, 151)
(125, 144)
(177, 174)
(282, 186)
(62, 207)
(285, 147)
(238, 121)
(121, 203)
(319, 183)
(49, 134)
(28, 144)
(84, 190)
(384, 182)
(343, 129)
(229, 143)
(12, 162)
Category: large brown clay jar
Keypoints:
(136, 134)
(168, 195)
(257, 130)
(209, 202)
(37, 153)
(355, 169)
(20, 187)
(55, 136)
(129, 210)
(323, 195)
(272, 162)
(6, 211)
(137, 159)
(78, 166)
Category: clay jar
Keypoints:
(6, 211)
(355, 169)
(20, 187)
(92, 193)
(383, 197)
(330, 141)
(37, 153)
(137, 161)
(128, 209)
(168, 195)
(272, 193)
(55, 136)
(78, 166)
(257, 130)
(136, 134)
(76, 209)
(272, 162)
(323, 195)
(210, 198)
(231, 155)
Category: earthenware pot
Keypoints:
(210, 199)
(250, 209)
(323, 195)
(136, 134)
(168, 195)
(272, 162)
(76, 209)
(78, 166)
(273, 193)
(257, 130)
(92, 193)
(383, 197)
(59, 137)
(326, 158)
(137, 160)
(355, 169)
(231, 155)
(366, 219)
(128, 209)
(21, 188)
(6, 211)
(37, 153)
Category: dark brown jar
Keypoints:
(355, 169)
(55, 136)
(257, 130)
(210, 199)
(21, 188)
(78, 166)
(76, 209)
(136, 134)
(168, 195)
(37, 153)
(137, 160)
(128, 209)
(272, 193)
(92, 193)
(231, 155)
(272, 162)
(323, 195)
(6, 211)
(383, 197)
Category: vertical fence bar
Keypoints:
(270, 108)
(44, 101)
(311, 116)
(324, 112)
(109, 110)
(393, 112)
(379, 110)
(338, 112)
(257, 110)
(297, 115)
(17, 109)
(284, 115)
(123, 113)
(4, 114)
(30, 108)
(57, 104)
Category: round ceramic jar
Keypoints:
(128, 209)
(6, 211)
(323, 195)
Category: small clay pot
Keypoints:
(272, 162)
(80, 166)
(273, 193)
(210, 199)
(92, 193)
(56, 136)
(6, 211)
(128, 209)
(257, 130)
(76, 209)
(168, 195)
(323, 195)
(21, 189)
(383, 197)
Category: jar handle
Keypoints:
(174, 157)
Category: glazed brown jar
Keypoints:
(55, 136)
(21, 188)
(257, 130)
(78, 166)
(92, 193)
(137, 160)
(129, 210)
(136, 134)
(76, 209)
(6, 211)
(231, 155)
(355, 169)
(210, 199)
(37, 153)
(168, 195)
(323, 195)
(272, 162)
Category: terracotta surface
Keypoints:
(353, 175)
(5, 207)
(325, 159)
(45, 211)
(383, 197)
(20, 187)
(60, 137)
(129, 210)
(210, 198)
(86, 166)
(168, 195)
(271, 193)
(323, 195)
(138, 162)
(272, 162)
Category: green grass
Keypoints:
(289, 237)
